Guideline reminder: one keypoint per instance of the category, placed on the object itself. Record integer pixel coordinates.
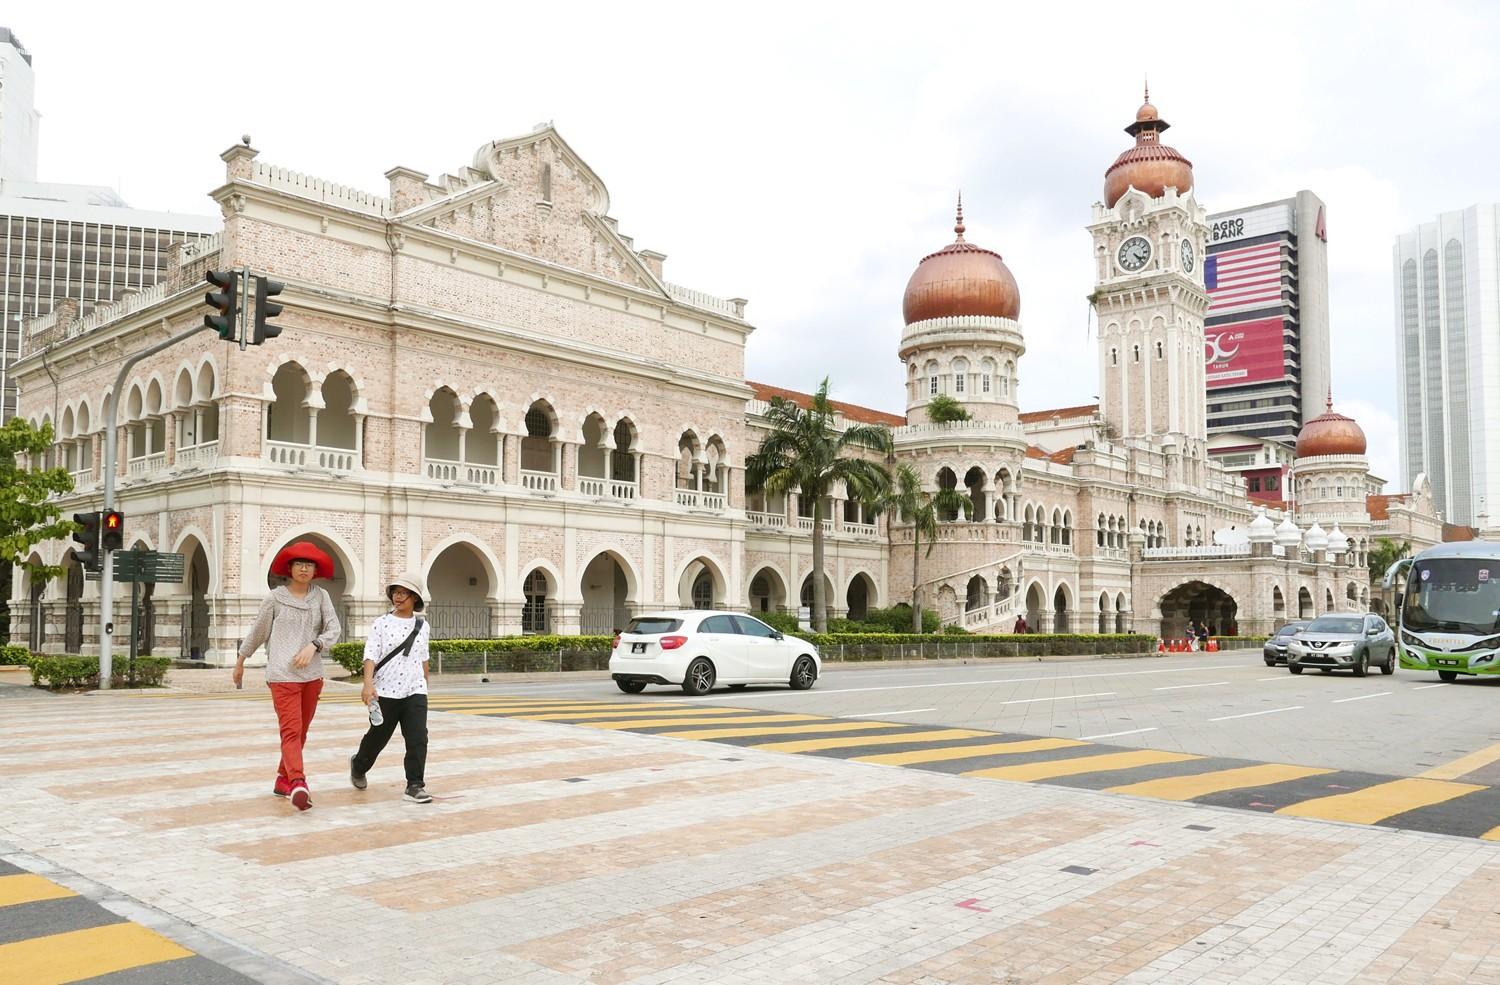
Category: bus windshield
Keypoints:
(1453, 595)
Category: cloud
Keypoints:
(1381, 432)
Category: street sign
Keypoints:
(149, 567)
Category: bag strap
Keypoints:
(404, 647)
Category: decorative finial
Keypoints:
(1147, 88)
(1330, 398)
(958, 225)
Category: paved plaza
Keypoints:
(598, 840)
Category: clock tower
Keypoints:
(1149, 238)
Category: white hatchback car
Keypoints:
(697, 648)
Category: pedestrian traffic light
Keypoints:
(112, 530)
(225, 301)
(88, 536)
(266, 309)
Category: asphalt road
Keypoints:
(1225, 705)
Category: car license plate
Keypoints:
(1446, 663)
(637, 648)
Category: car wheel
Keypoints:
(1448, 676)
(804, 673)
(699, 678)
(1389, 667)
(1362, 664)
(631, 687)
(1294, 668)
(1270, 663)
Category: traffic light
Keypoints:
(112, 530)
(88, 536)
(266, 309)
(225, 301)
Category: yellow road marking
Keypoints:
(967, 752)
(1380, 801)
(80, 954)
(1464, 764)
(809, 745)
(653, 722)
(26, 887)
(739, 733)
(1082, 764)
(1201, 784)
(1493, 834)
(636, 713)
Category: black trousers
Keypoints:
(411, 713)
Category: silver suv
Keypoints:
(1343, 642)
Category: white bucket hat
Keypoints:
(412, 582)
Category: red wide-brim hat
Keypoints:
(302, 550)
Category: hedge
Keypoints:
(540, 654)
(13, 654)
(69, 670)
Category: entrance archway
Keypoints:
(859, 596)
(536, 611)
(1060, 620)
(1104, 612)
(701, 585)
(1304, 604)
(460, 588)
(607, 594)
(73, 621)
(976, 594)
(767, 591)
(1035, 604)
(1200, 603)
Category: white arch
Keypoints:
(492, 567)
(876, 599)
(195, 532)
(715, 567)
(353, 574)
(554, 577)
(615, 551)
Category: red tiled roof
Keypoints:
(1038, 416)
(1379, 506)
(1453, 533)
(853, 412)
(1269, 498)
(1064, 457)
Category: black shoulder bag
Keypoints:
(404, 647)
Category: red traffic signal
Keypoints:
(112, 530)
(224, 301)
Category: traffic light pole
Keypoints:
(106, 572)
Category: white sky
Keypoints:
(805, 156)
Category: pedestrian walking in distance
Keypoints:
(297, 624)
(396, 686)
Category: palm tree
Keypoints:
(915, 505)
(1384, 553)
(806, 452)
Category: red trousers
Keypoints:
(295, 705)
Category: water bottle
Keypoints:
(375, 716)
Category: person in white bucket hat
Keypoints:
(396, 686)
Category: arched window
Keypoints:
(960, 375)
(1114, 357)
(1136, 352)
(986, 375)
(932, 377)
(947, 480)
(1158, 350)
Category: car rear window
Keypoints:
(649, 626)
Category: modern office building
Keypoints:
(1266, 332)
(1447, 279)
(64, 241)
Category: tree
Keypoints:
(806, 452)
(915, 505)
(943, 409)
(1384, 553)
(28, 497)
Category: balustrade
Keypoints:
(201, 456)
(539, 481)
(313, 457)
(697, 499)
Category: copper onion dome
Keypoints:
(1330, 434)
(1150, 166)
(961, 279)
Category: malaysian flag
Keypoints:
(1247, 277)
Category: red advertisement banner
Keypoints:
(1246, 352)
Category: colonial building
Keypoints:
(482, 378)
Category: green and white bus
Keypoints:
(1449, 619)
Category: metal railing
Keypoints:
(603, 620)
(194, 630)
(462, 621)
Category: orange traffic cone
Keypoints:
(1161, 646)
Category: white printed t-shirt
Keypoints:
(402, 676)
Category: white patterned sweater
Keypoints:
(402, 675)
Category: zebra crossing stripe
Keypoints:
(1051, 769)
(919, 756)
(1381, 801)
(1202, 784)
(849, 742)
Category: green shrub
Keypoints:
(785, 622)
(15, 655)
(351, 656)
(897, 619)
(954, 629)
(69, 670)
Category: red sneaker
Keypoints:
(282, 786)
(301, 798)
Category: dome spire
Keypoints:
(1330, 398)
(958, 224)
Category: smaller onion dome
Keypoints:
(1262, 530)
(1150, 166)
(1337, 542)
(1317, 538)
(1287, 534)
(961, 279)
(1330, 434)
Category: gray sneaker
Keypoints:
(417, 794)
(356, 777)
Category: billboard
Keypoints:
(1245, 352)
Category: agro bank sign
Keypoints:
(1245, 352)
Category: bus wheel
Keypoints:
(1448, 676)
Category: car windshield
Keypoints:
(1453, 595)
(652, 625)
(1288, 630)
(1337, 624)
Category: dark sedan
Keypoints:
(1275, 648)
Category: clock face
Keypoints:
(1134, 253)
(1188, 256)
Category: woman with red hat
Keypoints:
(297, 624)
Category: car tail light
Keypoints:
(615, 643)
(672, 642)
